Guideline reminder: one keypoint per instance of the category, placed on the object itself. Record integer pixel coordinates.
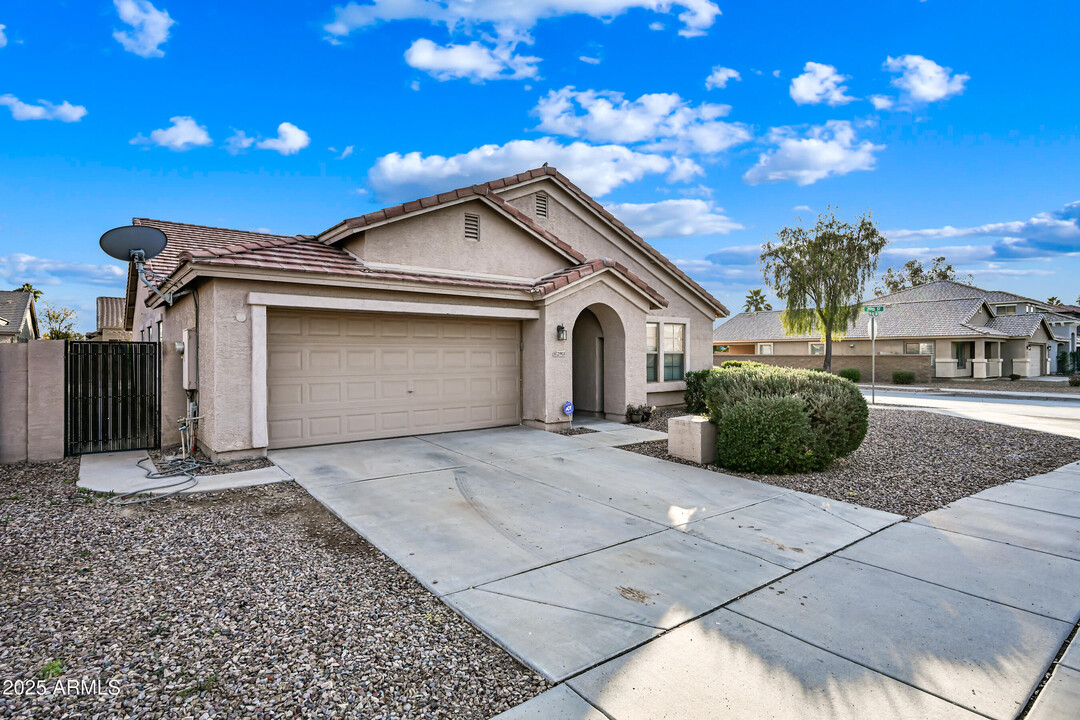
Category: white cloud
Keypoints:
(238, 143)
(819, 84)
(475, 61)
(674, 218)
(3, 37)
(805, 208)
(882, 102)
(720, 76)
(656, 26)
(776, 73)
(511, 18)
(598, 169)
(149, 27)
(664, 119)
(1060, 228)
(344, 153)
(45, 271)
(922, 80)
(45, 110)
(183, 134)
(589, 60)
(414, 85)
(824, 151)
(289, 141)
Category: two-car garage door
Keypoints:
(339, 377)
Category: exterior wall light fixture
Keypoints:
(560, 332)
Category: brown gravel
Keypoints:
(577, 431)
(1007, 385)
(220, 469)
(913, 461)
(253, 603)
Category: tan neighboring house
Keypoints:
(111, 312)
(965, 332)
(485, 306)
(18, 318)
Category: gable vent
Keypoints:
(541, 205)
(472, 226)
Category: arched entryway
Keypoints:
(599, 350)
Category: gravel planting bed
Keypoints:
(577, 431)
(236, 466)
(253, 603)
(914, 461)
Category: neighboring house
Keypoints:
(18, 318)
(965, 331)
(111, 313)
(1065, 322)
(485, 306)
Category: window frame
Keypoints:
(656, 371)
(761, 351)
(811, 345)
(652, 353)
(680, 336)
(930, 345)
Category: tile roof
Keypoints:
(485, 190)
(951, 290)
(110, 312)
(561, 278)
(13, 305)
(278, 253)
(1019, 325)
(188, 238)
(902, 320)
(482, 191)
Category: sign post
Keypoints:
(873, 311)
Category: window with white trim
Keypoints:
(764, 349)
(918, 348)
(652, 351)
(1006, 310)
(674, 351)
(817, 348)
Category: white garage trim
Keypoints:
(313, 302)
(259, 436)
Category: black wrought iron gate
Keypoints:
(113, 396)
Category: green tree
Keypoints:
(1053, 300)
(28, 288)
(756, 302)
(59, 323)
(821, 274)
(913, 274)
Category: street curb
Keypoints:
(992, 394)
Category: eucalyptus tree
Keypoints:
(821, 274)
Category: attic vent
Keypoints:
(541, 205)
(472, 226)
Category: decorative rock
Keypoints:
(693, 438)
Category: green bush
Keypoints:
(1015, 376)
(851, 374)
(766, 435)
(903, 377)
(737, 363)
(1074, 381)
(695, 391)
(834, 409)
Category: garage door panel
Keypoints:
(337, 377)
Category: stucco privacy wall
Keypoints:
(886, 364)
(593, 237)
(436, 239)
(32, 401)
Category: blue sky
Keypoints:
(705, 126)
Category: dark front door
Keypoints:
(113, 396)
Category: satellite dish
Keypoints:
(124, 242)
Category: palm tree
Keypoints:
(28, 288)
(756, 302)
(1053, 300)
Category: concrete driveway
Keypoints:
(650, 589)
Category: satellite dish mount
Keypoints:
(137, 244)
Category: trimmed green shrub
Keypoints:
(737, 363)
(1015, 376)
(851, 374)
(835, 410)
(694, 397)
(1074, 381)
(903, 377)
(767, 435)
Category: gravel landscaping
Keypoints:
(254, 603)
(157, 456)
(913, 461)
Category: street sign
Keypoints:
(874, 308)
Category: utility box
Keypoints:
(191, 360)
(693, 438)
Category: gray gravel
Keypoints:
(253, 603)
(157, 456)
(913, 461)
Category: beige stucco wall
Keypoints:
(436, 239)
(32, 401)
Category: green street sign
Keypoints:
(874, 308)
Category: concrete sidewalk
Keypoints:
(958, 613)
(116, 472)
(975, 392)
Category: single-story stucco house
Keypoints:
(18, 317)
(111, 312)
(965, 332)
(485, 306)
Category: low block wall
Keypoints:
(919, 364)
(32, 401)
